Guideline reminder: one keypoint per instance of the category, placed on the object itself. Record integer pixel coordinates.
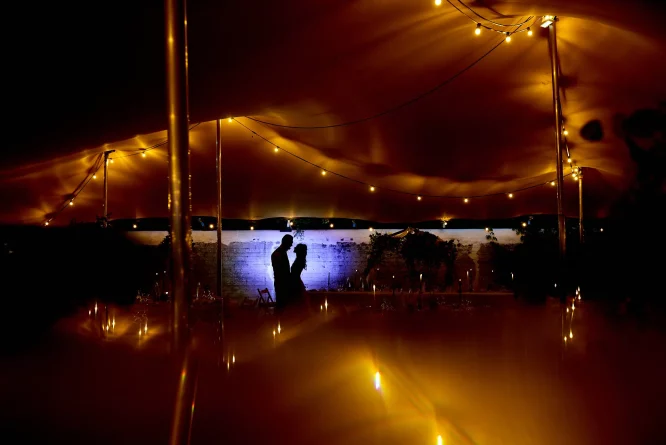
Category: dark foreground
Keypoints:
(474, 374)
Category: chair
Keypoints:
(261, 301)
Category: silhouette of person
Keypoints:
(281, 272)
(300, 263)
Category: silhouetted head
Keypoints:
(301, 251)
(287, 242)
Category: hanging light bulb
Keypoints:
(371, 229)
(331, 226)
(487, 229)
(229, 119)
(569, 160)
(276, 149)
(323, 172)
(46, 223)
(510, 195)
(143, 154)
(211, 226)
(94, 176)
(71, 202)
(465, 200)
(418, 198)
(529, 32)
(372, 188)
(438, 2)
(508, 37)
(134, 226)
(565, 132)
(111, 160)
(552, 182)
(524, 224)
(477, 31)
(251, 227)
(575, 177)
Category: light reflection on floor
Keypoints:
(510, 374)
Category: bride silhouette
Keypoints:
(300, 263)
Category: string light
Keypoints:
(466, 200)
(418, 198)
(569, 160)
(331, 225)
(477, 31)
(276, 149)
(565, 132)
(46, 223)
(251, 227)
(552, 182)
(71, 202)
(510, 195)
(134, 226)
(438, 2)
(211, 226)
(508, 37)
(529, 32)
(323, 172)
(143, 154)
(95, 176)
(111, 160)
(372, 188)
(371, 229)
(230, 119)
(524, 224)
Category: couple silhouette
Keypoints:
(289, 287)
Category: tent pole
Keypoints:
(180, 230)
(561, 227)
(179, 166)
(106, 187)
(580, 207)
(218, 164)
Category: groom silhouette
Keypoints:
(281, 271)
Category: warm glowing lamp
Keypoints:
(477, 31)
(529, 32)
(323, 172)
(372, 188)
(465, 200)
(438, 2)
(510, 195)
(418, 198)
(508, 37)
(276, 149)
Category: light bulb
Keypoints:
(276, 149)
(438, 2)
(524, 224)
(477, 31)
(71, 202)
(111, 160)
(230, 119)
(372, 188)
(510, 195)
(371, 229)
(575, 177)
(487, 229)
(251, 227)
(529, 32)
(465, 200)
(134, 226)
(508, 37)
(212, 226)
(331, 225)
(94, 176)
(565, 132)
(569, 160)
(46, 223)
(143, 154)
(323, 172)
(552, 182)
(418, 198)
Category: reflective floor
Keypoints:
(491, 373)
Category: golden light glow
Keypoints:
(323, 172)
(276, 149)
(438, 2)
(377, 380)
(143, 154)
(565, 132)
(134, 226)
(371, 229)
(46, 223)
(510, 195)
(94, 176)
(570, 334)
(326, 303)
(602, 229)
(212, 226)
(372, 188)
(418, 198)
(477, 31)
(487, 229)
(552, 182)
(230, 119)
(279, 329)
(440, 441)
(273, 333)
(465, 200)
(524, 224)
(565, 339)
(71, 202)
(89, 312)
(112, 161)
(251, 227)
(233, 358)
(331, 226)
(529, 32)
(95, 308)
(508, 38)
(569, 160)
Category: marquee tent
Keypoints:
(401, 96)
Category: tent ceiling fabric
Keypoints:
(298, 63)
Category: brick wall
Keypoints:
(334, 256)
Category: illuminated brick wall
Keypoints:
(334, 256)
